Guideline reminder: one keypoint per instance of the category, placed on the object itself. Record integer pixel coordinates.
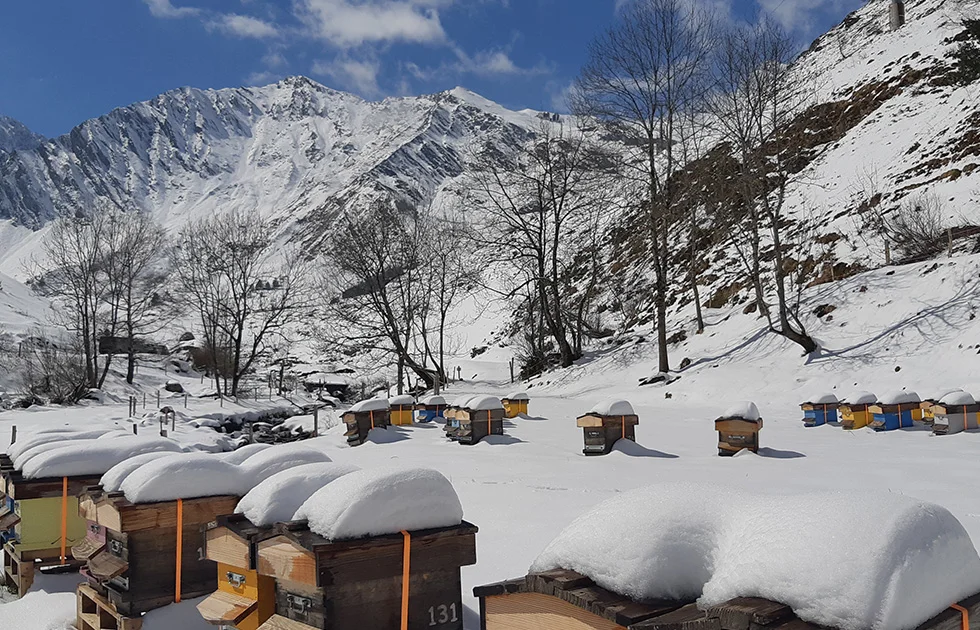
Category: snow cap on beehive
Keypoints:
(955, 399)
(460, 401)
(239, 455)
(518, 396)
(484, 403)
(900, 397)
(401, 401)
(433, 401)
(823, 399)
(263, 465)
(612, 407)
(94, 457)
(382, 501)
(371, 404)
(860, 397)
(714, 543)
(744, 409)
(278, 497)
(112, 480)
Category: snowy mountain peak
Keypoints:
(15, 136)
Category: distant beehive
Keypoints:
(896, 14)
(738, 428)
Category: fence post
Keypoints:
(13, 434)
(316, 422)
(158, 399)
(134, 429)
(185, 400)
(144, 400)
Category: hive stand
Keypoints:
(357, 584)
(244, 598)
(360, 423)
(475, 425)
(602, 432)
(137, 564)
(95, 612)
(736, 433)
(565, 600)
(855, 416)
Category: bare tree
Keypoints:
(247, 289)
(642, 74)
(532, 205)
(134, 249)
(759, 96)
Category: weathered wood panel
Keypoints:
(533, 611)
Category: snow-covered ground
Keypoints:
(907, 327)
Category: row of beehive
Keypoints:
(952, 412)
(468, 419)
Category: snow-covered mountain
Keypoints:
(15, 136)
(296, 150)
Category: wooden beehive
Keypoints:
(476, 424)
(136, 562)
(855, 411)
(515, 404)
(357, 584)
(899, 413)
(244, 598)
(361, 418)
(950, 419)
(816, 414)
(739, 429)
(402, 410)
(431, 408)
(566, 600)
(601, 432)
(40, 521)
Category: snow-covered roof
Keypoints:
(460, 401)
(613, 407)
(958, 398)
(744, 409)
(112, 479)
(277, 498)
(518, 396)
(31, 440)
(484, 403)
(371, 404)
(382, 501)
(94, 457)
(860, 397)
(676, 541)
(401, 400)
(184, 476)
(264, 464)
(899, 397)
(823, 399)
(241, 454)
(433, 400)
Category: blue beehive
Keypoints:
(896, 411)
(821, 410)
(431, 408)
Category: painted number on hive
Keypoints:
(441, 614)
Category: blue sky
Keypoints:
(64, 61)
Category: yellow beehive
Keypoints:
(402, 410)
(516, 404)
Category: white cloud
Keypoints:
(262, 78)
(243, 26)
(487, 63)
(801, 16)
(352, 23)
(164, 9)
(359, 75)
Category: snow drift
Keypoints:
(382, 501)
(93, 457)
(853, 560)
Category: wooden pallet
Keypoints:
(96, 613)
(19, 566)
(561, 599)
